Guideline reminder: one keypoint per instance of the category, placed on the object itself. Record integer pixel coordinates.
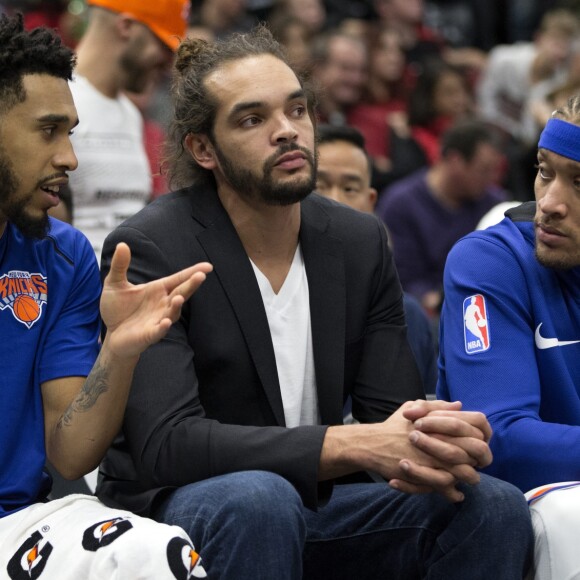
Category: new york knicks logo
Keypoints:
(24, 294)
(475, 324)
(30, 559)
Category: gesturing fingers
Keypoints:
(119, 265)
(186, 281)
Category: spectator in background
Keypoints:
(384, 95)
(339, 69)
(295, 36)
(516, 69)
(127, 46)
(522, 72)
(312, 13)
(428, 211)
(419, 41)
(440, 98)
(221, 17)
(344, 174)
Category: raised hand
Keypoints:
(137, 316)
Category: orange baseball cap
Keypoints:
(167, 19)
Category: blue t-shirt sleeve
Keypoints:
(72, 345)
(501, 380)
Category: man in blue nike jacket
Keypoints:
(510, 342)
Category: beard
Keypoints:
(15, 210)
(262, 187)
(557, 260)
(138, 75)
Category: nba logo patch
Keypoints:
(475, 324)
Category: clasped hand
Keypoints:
(446, 446)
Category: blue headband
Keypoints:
(562, 138)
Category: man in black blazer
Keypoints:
(233, 428)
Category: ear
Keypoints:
(124, 25)
(201, 149)
(373, 196)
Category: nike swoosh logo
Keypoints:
(543, 343)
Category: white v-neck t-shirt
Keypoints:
(288, 315)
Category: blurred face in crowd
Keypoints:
(344, 75)
(555, 48)
(311, 12)
(472, 177)
(263, 137)
(36, 153)
(450, 96)
(557, 220)
(388, 59)
(344, 175)
(231, 10)
(144, 60)
(400, 11)
(295, 41)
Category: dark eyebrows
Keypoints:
(244, 106)
(348, 177)
(58, 119)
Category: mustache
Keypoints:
(53, 177)
(287, 148)
(551, 224)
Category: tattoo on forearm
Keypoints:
(95, 385)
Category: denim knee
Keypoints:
(260, 500)
(505, 511)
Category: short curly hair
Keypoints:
(23, 52)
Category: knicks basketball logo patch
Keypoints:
(24, 294)
(475, 324)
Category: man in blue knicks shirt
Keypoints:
(510, 342)
(62, 394)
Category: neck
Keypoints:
(97, 62)
(268, 233)
(442, 187)
(379, 91)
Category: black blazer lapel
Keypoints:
(233, 269)
(325, 269)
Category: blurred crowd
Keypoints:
(403, 73)
(400, 71)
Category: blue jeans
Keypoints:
(252, 525)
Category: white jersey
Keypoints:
(113, 180)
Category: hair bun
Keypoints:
(188, 53)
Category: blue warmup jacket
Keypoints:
(510, 347)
